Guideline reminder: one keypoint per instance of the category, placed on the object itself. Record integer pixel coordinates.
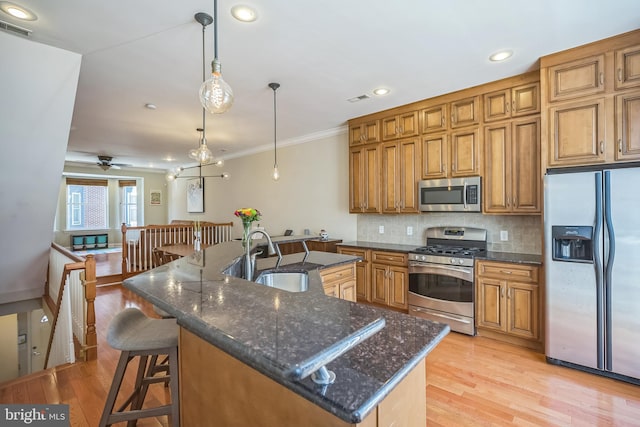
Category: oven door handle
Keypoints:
(444, 316)
(464, 273)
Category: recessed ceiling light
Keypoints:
(244, 13)
(151, 106)
(381, 91)
(501, 55)
(16, 11)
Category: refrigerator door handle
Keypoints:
(608, 267)
(597, 264)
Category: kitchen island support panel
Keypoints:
(217, 389)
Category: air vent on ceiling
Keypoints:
(358, 98)
(14, 29)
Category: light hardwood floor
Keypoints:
(471, 381)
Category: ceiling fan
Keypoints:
(105, 163)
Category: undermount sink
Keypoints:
(287, 281)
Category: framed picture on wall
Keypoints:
(195, 195)
(155, 197)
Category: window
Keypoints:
(129, 202)
(87, 204)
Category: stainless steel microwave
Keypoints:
(450, 195)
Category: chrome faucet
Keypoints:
(249, 259)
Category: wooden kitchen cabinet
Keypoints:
(400, 175)
(577, 132)
(340, 281)
(512, 167)
(579, 78)
(434, 118)
(508, 303)
(400, 126)
(366, 131)
(364, 178)
(454, 154)
(363, 281)
(390, 279)
(512, 102)
(465, 112)
(627, 67)
(591, 106)
(628, 125)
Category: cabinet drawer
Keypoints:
(389, 258)
(362, 253)
(518, 272)
(337, 274)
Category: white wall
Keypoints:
(312, 193)
(38, 86)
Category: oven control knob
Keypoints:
(452, 261)
(460, 261)
(423, 257)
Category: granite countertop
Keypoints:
(490, 255)
(274, 331)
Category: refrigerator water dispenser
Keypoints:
(572, 243)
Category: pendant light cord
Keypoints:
(203, 79)
(215, 29)
(275, 121)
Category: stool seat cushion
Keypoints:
(131, 330)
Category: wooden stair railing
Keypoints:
(139, 243)
(88, 350)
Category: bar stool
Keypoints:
(137, 335)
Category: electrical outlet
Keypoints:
(504, 235)
(381, 229)
(409, 230)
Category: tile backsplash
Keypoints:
(524, 232)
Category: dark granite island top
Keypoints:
(273, 331)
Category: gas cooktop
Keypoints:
(458, 251)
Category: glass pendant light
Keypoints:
(202, 154)
(276, 172)
(216, 95)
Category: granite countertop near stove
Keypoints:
(273, 330)
(489, 256)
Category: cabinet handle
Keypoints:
(502, 291)
(506, 106)
(453, 118)
(601, 78)
(505, 271)
(601, 147)
(443, 121)
(513, 105)
(453, 167)
(401, 129)
(509, 293)
(620, 145)
(508, 202)
(515, 201)
(619, 74)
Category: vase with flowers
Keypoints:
(247, 216)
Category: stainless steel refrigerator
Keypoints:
(592, 268)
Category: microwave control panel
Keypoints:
(472, 194)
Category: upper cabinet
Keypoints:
(591, 103)
(512, 102)
(627, 67)
(578, 78)
(400, 175)
(434, 118)
(465, 112)
(364, 179)
(400, 125)
(364, 131)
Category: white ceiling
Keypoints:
(322, 53)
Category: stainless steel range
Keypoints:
(441, 285)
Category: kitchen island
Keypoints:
(245, 348)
